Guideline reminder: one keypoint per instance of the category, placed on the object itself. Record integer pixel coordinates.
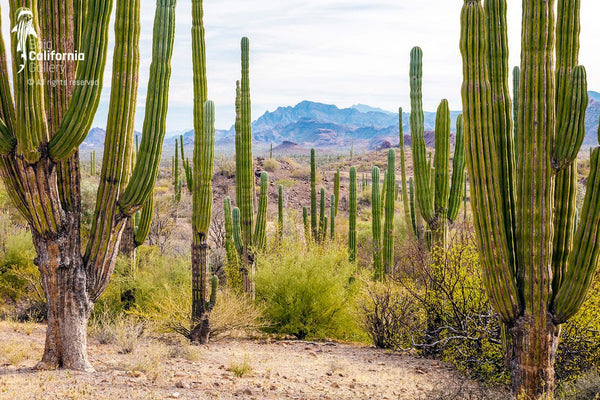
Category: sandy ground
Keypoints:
(233, 369)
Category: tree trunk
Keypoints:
(68, 304)
(201, 305)
(531, 356)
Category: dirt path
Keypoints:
(278, 370)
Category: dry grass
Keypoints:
(14, 352)
(241, 368)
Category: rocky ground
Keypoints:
(241, 369)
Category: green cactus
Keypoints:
(383, 193)
(280, 213)
(271, 152)
(237, 231)
(352, 216)
(307, 233)
(388, 227)
(314, 227)
(232, 272)
(437, 201)
(322, 229)
(93, 163)
(40, 133)
(336, 191)
(144, 221)
(244, 185)
(260, 229)
(516, 79)
(332, 217)
(187, 167)
(413, 211)
(537, 268)
(376, 224)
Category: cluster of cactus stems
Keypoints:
(41, 131)
(537, 266)
(439, 202)
(383, 207)
(389, 213)
(364, 183)
(376, 223)
(313, 195)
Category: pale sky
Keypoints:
(331, 51)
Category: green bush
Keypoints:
(308, 292)
(271, 165)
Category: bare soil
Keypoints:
(269, 370)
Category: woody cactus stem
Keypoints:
(260, 230)
(336, 190)
(376, 224)
(437, 201)
(314, 227)
(388, 226)
(244, 170)
(352, 216)
(40, 133)
(280, 212)
(537, 268)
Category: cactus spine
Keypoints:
(388, 227)
(40, 133)
(376, 224)
(437, 201)
(260, 229)
(352, 216)
(536, 268)
(280, 212)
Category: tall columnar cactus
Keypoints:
(93, 163)
(271, 152)
(336, 190)
(187, 167)
(322, 229)
(537, 268)
(383, 192)
(352, 216)
(306, 222)
(437, 201)
(314, 227)
(41, 130)
(280, 212)
(260, 228)
(232, 272)
(237, 231)
(516, 79)
(388, 226)
(244, 185)
(413, 210)
(376, 224)
(332, 217)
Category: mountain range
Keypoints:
(310, 124)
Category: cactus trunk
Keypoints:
(260, 231)
(536, 270)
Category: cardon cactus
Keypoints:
(389, 212)
(232, 267)
(332, 217)
(305, 220)
(314, 227)
(438, 202)
(187, 166)
(280, 212)
(537, 267)
(376, 224)
(413, 211)
(40, 133)
(336, 190)
(352, 216)
(260, 229)
(322, 228)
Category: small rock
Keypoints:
(329, 373)
(181, 385)
(335, 385)
(175, 395)
(272, 387)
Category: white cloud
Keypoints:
(334, 51)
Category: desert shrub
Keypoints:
(308, 292)
(286, 183)
(390, 315)
(364, 197)
(586, 387)
(301, 173)
(225, 166)
(271, 165)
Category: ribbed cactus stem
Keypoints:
(271, 152)
(322, 228)
(336, 190)
(388, 226)
(230, 250)
(260, 231)
(237, 231)
(352, 216)
(332, 217)
(313, 195)
(383, 192)
(143, 221)
(413, 211)
(280, 212)
(305, 220)
(376, 224)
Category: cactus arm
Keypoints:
(458, 172)
(482, 161)
(571, 131)
(388, 226)
(187, 169)
(417, 123)
(204, 155)
(376, 224)
(405, 201)
(145, 221)
(441, 161)
(143, 178)
(260, 229)
(352, 216)
(79, 115)
(237, 232)
(31, 126)
(585, 256)
(313, 194)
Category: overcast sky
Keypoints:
(340, 52)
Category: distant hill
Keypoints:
(325, 126)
